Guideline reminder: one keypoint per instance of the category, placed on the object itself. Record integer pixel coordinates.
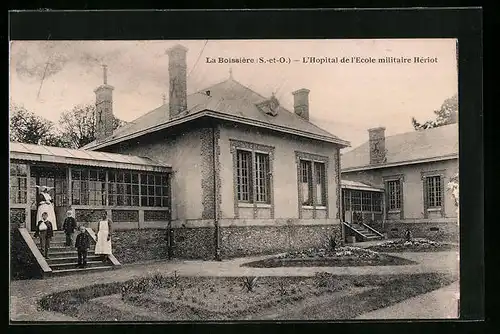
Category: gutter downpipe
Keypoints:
(216, 219)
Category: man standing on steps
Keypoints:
(69, 227)
(45, 232)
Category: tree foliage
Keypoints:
(76, 127)
(447, 114)
(26, 127)
(453, 187)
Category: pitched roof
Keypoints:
(30, 152)
(410, 147)
(227, 100)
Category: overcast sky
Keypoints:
(345, 99)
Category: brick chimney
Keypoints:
(377, 145)
(177, 69)
(301, 103)
(104, 123)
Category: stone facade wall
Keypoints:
(254, 240)
(140, 245)
(437, 231)
(194, 243)
(208, 135)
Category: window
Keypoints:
(123, 188)
(377, 202)
(252, 176)
(308, 185)
(18, 183)
(261, 178)
(306, 182)
(356, 200)
(320, 183)
(88, 187)
(366, 201)
(243, 175)
(346, 200)
(433, 188)
(154, 190)
(394, 194)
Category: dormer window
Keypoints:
(269, 107)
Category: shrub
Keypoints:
(249, 283)
(332, 242)
(408, 235)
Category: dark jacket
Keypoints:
(41, 198)
(69, 225)
(82, 241)
(50, 231)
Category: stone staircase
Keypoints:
(365, 233)
(63, 260)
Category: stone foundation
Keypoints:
(235, 241)
(437, 231)
(194, 243)
(254, 240)
(140, 245)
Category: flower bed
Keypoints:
(413, 245)
(229, 297)
(340, 257)
(173, 298)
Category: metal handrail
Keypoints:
(352, 228)
(372, 229)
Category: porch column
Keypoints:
(384, 211)
(27, 219)
(141, 218)
(70, 191)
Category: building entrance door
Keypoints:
(56, 179)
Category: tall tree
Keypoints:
(26, 127)
(447, 114)
(78, 125)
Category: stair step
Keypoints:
(62, 272)
(66, 254)
(70, 259)
(72, 265)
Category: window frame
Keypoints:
(313, 160)
(18, 188)
(388, 211)
(426, 208)
(253, 151)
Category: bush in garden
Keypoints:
(249, 283)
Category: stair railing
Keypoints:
(40, 259)
(111, 257)
(372, 229)
(354, 229)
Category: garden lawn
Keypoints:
(413, 245)
(340, 257)
(324, 296)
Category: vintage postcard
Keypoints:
(194, 180)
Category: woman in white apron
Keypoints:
(45, 204)
(103, 239)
